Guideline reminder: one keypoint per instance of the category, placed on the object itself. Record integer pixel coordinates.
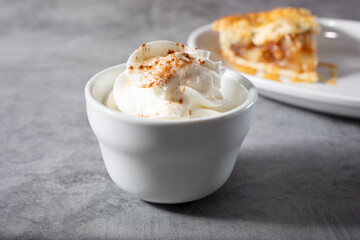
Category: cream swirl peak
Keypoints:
(165, 79)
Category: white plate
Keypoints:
(338, 43)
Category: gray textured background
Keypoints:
(297, 175)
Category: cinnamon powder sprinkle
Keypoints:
(161, 70)
(143, 45)
(131, 68)
(170, 51)
(186, 55)
(182, 46)
(148, 66)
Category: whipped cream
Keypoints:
(168, 80)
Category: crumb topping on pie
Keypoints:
(262, 27)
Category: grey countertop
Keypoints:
(298, 171)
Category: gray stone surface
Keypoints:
(297, 175)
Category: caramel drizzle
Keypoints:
(253, 71)
(244, 69)
(274, 77)
(333, 73)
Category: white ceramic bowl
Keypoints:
(167, 161)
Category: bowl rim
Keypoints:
(247, 104)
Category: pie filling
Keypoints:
(296, 53)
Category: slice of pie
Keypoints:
(279, 42)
